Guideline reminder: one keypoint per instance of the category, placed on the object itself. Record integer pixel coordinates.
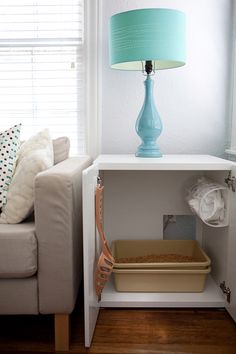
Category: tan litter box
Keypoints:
(141, 248)
(186, 272)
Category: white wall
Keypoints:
(193, 101)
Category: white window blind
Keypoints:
(42, 68)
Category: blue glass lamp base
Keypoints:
(148, 150)
(148, 125)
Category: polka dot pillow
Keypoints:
(9, 146)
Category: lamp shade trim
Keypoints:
(147, 34)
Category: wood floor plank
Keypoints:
(155, 331)
(127, 331)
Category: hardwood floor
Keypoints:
(127, 331)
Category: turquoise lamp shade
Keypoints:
(147, 36)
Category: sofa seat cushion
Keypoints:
(18, 250)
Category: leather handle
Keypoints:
(99, 216)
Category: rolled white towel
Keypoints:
(205, 198)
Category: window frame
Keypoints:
(92, 35)
(231, 150)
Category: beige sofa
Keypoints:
(41, 260)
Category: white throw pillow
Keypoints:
(35, 155)
(9, 146)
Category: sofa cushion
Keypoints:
(61, 148)
(18, 250)
(35, 155)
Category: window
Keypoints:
(42, 81)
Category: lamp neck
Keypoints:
(148, 67)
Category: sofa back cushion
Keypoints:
(61, 148)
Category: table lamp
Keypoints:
(147, 40)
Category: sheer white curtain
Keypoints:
(42, 79)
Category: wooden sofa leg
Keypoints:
(62, 332)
